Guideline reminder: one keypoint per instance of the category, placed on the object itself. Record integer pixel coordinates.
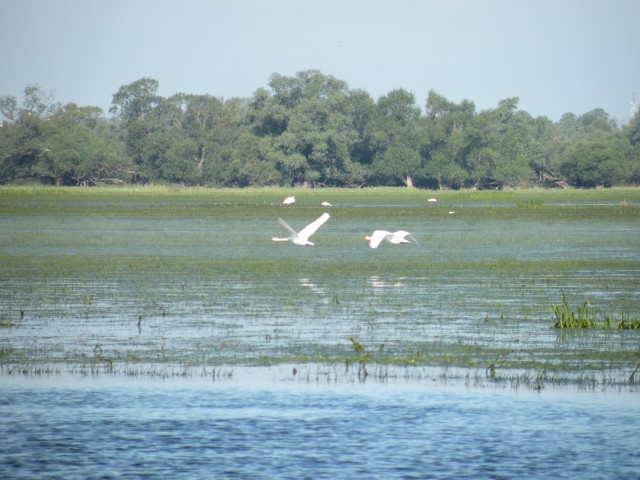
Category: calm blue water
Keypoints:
(87, 428)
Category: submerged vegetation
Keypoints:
(163, 282)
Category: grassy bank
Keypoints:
(275, 194)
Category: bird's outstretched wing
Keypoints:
(404, 235)
(284, 224)
(310, 229)
(377, 237)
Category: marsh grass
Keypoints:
(589, 317)
(182, 282)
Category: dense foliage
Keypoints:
(313, 130)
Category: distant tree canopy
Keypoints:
(308, 130)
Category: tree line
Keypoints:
(311, 130)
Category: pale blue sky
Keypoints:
(557, 56)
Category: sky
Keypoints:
(556, 56)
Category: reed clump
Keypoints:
(529, 203)
(588, 317)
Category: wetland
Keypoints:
(160, 333)
(186, 282)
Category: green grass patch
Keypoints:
(588, 317)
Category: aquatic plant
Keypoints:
(529, 203)
(587, 317)
(568, 318)
(362, 357)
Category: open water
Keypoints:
(84, 428)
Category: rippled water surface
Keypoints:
(84, 428)
(173, 339)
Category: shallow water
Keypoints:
(87, 428)
(193, 290)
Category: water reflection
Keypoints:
(306, 283)
(377, 282)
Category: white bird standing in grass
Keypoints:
(289, 201)
(396, 238)
(301, 237)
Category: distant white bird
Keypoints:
(301, 237)
(396, 238)
(451, 212)
(289, 200)
(432, 200)
(326, 204)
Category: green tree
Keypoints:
(23, 132)
(501, 151)
(362, 113)
(21, 144)
(396, 139)
(446, 141)
(596, 160)
(590, 150)
(134, 105)
(135, 100)
(232, 152)
(9, 107)
(80, 148)
(597, 119)
(308, 129)
(57, 144)
(633, 130)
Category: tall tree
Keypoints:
(501, 147)
(633, 130)
(134, 104)
(596, 160)
(308, 129)
(446, 141)
(397, 139)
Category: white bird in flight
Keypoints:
(289, 201)
(396, 238)
(301, 237)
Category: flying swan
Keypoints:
(301, 237)
(396, 238)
